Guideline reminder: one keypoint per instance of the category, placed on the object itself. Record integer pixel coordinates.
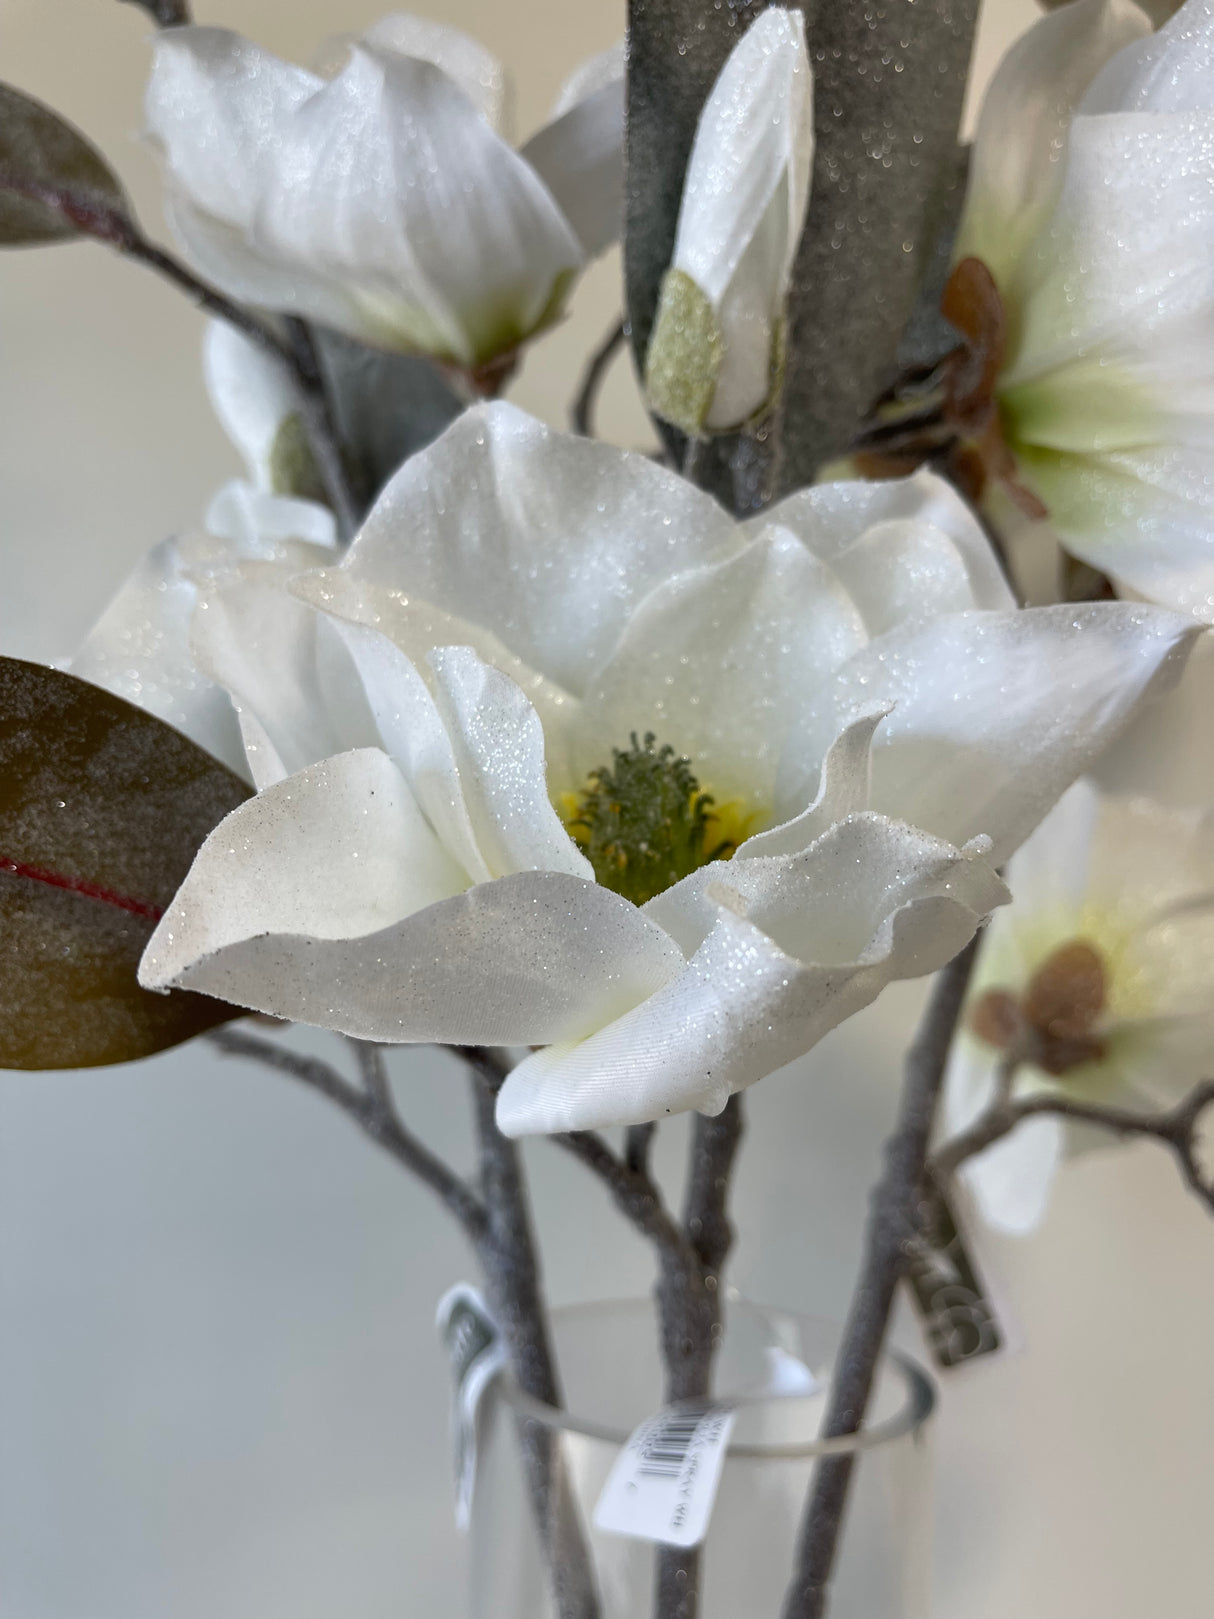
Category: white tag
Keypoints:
(664, 1481)
(478, 1352)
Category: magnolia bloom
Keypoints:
(559, 755)
(1106, 956)
(715, 355)
(383, 201)
(141, 646)
(1092, 202)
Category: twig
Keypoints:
(638, 1144)
(298, 355)
(636, 1195)
(1176, 1127)
(689, 1308)
(372, 1110)
(582, 414)
(892, 1226)
(511, 1265)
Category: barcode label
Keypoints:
(664, 1481)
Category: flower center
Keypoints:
(644, 822)
(1056, 1016)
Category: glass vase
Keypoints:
(612, 1378)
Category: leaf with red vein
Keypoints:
(102, 809)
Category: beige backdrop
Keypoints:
(220, 1397)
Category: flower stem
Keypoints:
(893, 1222)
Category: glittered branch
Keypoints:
(370, 1107)
(165, 13)
(892, 1229)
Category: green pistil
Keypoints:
(644, 823)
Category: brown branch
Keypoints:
(372, 1110)
(581, 415)
(893, 1225)
(1176, 1127)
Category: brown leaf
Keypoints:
(102, 809)
(54, 183)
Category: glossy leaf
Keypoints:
(102, 808)
(54, 183)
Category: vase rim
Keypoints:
(917, 1405)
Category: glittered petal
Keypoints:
(833, 520)
(995, 714)
(411, 730)
(140, 649)
(755, 132)
(324, 903)
(250, 393)
(1016, 160)
(718, 661)
(391, 182)
(843, 790)
(580, 158)
(749, 1001)
(215, 102)
(1165, 72)
(1052, 870)
(498, 744)
(338, 851)
(545, 539)
(285, 666)
(463, 59)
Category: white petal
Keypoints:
(1011, 1181)
(1015, 164)
(392, 183)
(476, 70)
(271, 528)
(411, 730)
(719, 661)
(832, 519)
(580, 158)
(322, 900)
(545, 539)
(872, 903)
(1165, 72)
(588, 78)
(285, 667)
(251, 394)
(749, 317)
(215, 102)
(1052, 870)
(337, 851)
(756, 130)
(995, 714)
(140, 649)
(843, 790)
(498, 745)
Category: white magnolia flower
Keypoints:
(550, 653)
(383, 202)
(715, 355)
(1092, 202)
(141, 648)
(1107, 955)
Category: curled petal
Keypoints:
(793, 947)
(331, 901)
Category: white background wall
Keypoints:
(220, 1395)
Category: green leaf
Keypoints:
(54, 183)
(102, 809)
